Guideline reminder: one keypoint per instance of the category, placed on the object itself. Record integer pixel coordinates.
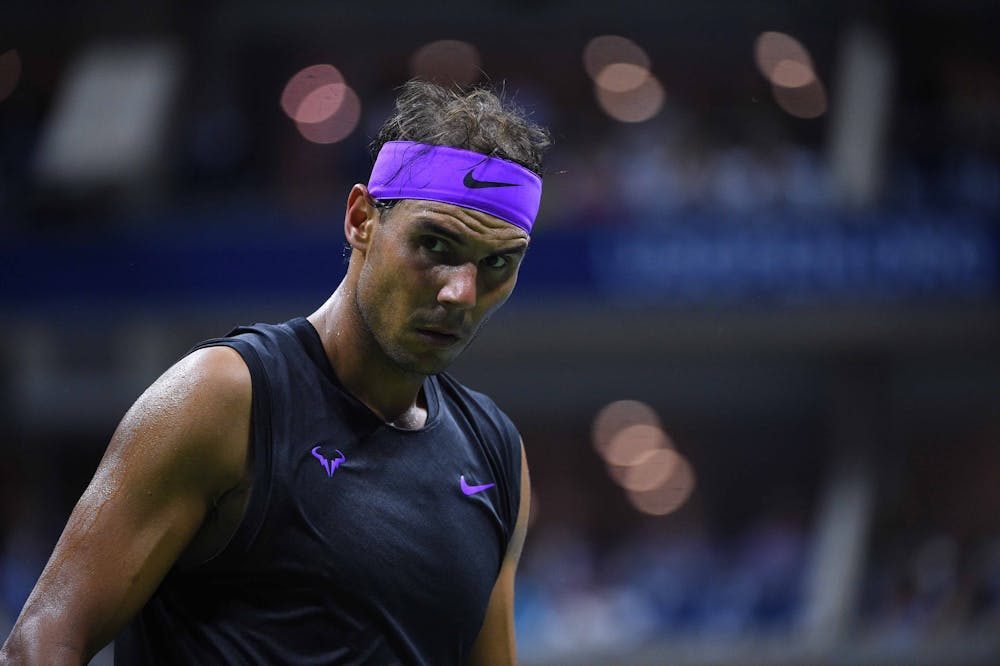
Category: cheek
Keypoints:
(374, 295)
(504, 289)
(391, 295)
(496, 297)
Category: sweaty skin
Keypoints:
(173, 483)
(179, 449)
(421, 281)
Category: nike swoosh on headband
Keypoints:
(473, 184)
(410, 170)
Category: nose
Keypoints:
(459, 288)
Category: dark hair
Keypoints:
(475, 119)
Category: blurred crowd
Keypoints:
(574, 598)
(658, 586)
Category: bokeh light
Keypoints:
(616, 417)
(303, 84)
(10, 72)
(324, 108)
(605, 50)
(621, 77)
(321, 103)
(447, 61)
(641, 457)
(773, 49)
(786, 63)
(632, 443)
(792, 74)
(633, 106)
(651, 470)
(807, 101)
(338, 109)
(671, 493)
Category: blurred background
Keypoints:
(753, 351)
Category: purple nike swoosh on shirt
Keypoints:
(472, 490)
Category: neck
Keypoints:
(393, 394)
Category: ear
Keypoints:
(359, 220)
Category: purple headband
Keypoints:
(408, 170)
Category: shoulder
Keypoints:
(197, 414)
(495, 430)
(211, 381)
(452, 387)
(479, 404)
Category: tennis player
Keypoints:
(320, 491)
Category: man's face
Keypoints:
(433, 274)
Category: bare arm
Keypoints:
(496, 643)
(181, 446)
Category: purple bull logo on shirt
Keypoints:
(329, 465)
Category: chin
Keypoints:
(425, 365)
(431, 366)
(422, 360)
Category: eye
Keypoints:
(433, 244)
(497, 262)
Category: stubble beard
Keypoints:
(394, 352)
(399, 356)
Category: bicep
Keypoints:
(174, 451)
(496, 643)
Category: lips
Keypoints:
(441, 333)
(439, 336)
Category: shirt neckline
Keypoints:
(309, 337)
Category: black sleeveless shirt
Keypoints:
(361, 543)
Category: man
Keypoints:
(319, 491)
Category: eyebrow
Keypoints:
(426, 225)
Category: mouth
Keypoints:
(438, 337)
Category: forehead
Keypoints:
(472, 225)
